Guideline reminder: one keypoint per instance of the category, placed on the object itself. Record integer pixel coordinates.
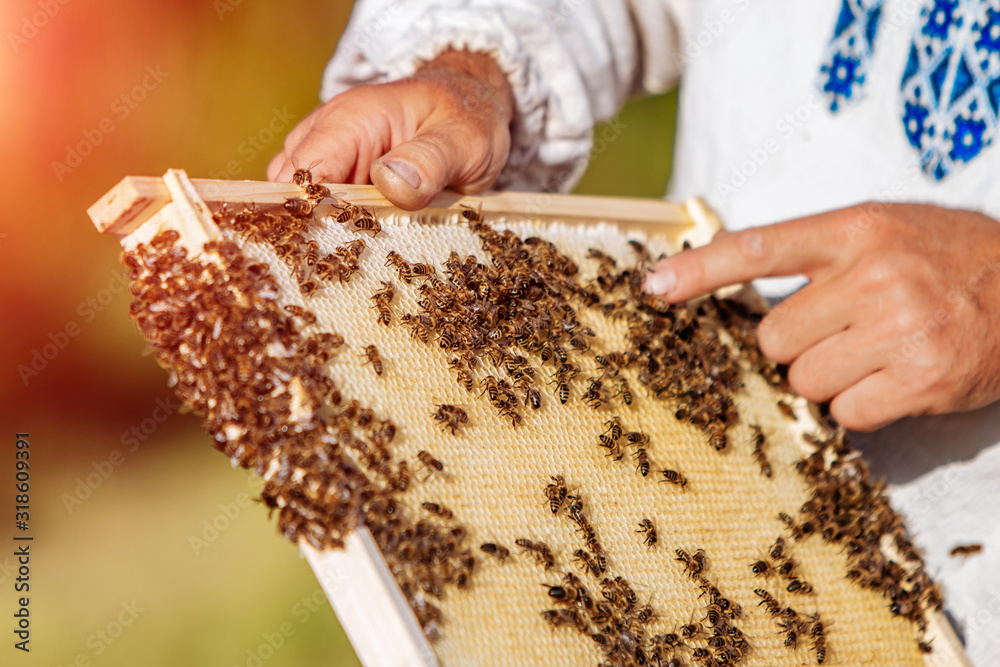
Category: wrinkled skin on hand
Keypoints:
(446, 126)
(901, 316)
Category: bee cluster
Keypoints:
(847, 508)
(613, 617)
(239, 360)
(794, 626)
(288, 234)
(779, 563)
(526, 301)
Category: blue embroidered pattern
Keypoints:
(849, 54)
(951, 83)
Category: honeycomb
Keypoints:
(557, 468)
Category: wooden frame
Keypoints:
(371, 608)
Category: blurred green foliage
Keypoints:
(633, 153)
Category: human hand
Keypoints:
(447, 125)
(901, 316)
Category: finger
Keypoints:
(877, 400)
(811, 315)
(440, 154)
(274, 167)
(787, 248)
(838, 363)
(333, 157)
(301, 131)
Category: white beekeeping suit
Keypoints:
(788, 108)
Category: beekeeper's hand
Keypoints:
(448, 125)
(901, 315)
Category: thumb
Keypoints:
(447, 153)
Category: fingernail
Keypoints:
(405, 171)
(662, 282)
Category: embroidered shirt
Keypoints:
(758, 140)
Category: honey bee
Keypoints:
(312, 253)
(513, 415)
(674, 477)
(589, 564)
(611, 445)
(761, 568)
(305, 315)
(556, 493)
(562, 391)
(613, 360)
(757, 440)
(614, 430)
(330, 267)
(324, 340)
(300, 208)
(787, 410)
(354, 248)
(402, 481)
(491, 387)
(244, 369)
(624, 391)
(533, 397)
(165, 239)
(643, 461)
(558, 593)
(382, 300)
(372, 357)
(308, 287)
(471, 214)
(496, 550)
(777, 549)
(638, 247)
(646, 526)
(438, 510)
(718, 440)
(698, 558)
(791, 636)
(465, 379)
(303, 177)
(368, 225)
(600, 256)
(540, 551)
(429, 463)
(421, 270)
(799, 587)
(450, 417)
(691, 566)
(798, 531)
(966, 550)
(558, 617)
(317, 192)
(786, 568)
(637, 438)
(348, 214)
(645, 615)
(395, 260)
(772, 605)
(818, 634)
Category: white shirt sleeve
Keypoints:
(571, 64)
